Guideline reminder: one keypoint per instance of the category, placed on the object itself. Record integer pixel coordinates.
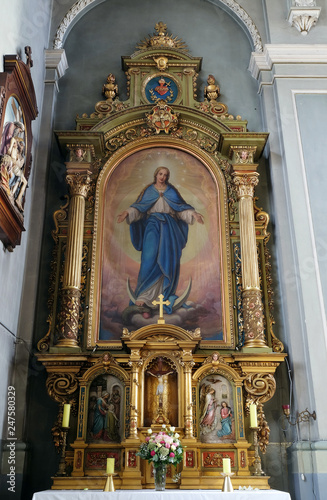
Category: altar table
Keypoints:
(161, 495)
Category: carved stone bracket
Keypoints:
(303, 18)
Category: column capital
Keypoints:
(79, 182)
(245, 183)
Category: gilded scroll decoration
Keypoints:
(260, 387)
(238, 294)
(264, 429)
(62, 387)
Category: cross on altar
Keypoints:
(161, 303)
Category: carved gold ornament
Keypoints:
(162, 118)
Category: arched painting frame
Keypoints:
(204, 261)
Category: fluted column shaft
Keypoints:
(245, 182)
(135, 374)
(78, 180)
(188, 418)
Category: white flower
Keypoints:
(176, 435)
(172, 429)
(159, 445)
(163, 426)
(173, 447)
(149, 431)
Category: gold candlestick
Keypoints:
(227, 486)
(257, 460)
(62, 463)
(109, 486)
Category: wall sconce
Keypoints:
(303, 416)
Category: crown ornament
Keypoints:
(161, 39)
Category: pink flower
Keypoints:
(171, 454)
(167, 445)
(153, 453)
(147, 438)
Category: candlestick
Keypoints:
(66, 415)
(257, 460)
(226, 466)
(253, 416)
(110, 465)
(62, 463)
(227, 486)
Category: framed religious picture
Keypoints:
(161, 229)
(216, 410)
(17, 110)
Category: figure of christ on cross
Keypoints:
(161, 374)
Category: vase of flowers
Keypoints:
(161, 449)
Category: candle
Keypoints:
(253, 415)
(65, 417)
(226, 466)
(110, 465)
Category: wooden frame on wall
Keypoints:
(18, 108)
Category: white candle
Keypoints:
(226, 466)
(66, 414)
(110, 465)
(253, 415)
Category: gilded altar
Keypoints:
(198, 357)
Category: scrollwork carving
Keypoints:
(62, 387)
(260, 387)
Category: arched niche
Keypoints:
(212, 402)
(233, 8)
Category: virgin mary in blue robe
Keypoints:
(160, 236)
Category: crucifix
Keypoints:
(161, 303)
(161, 374)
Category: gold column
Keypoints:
(245, 180)
(188, 416)
(78, 180)
(135, 384)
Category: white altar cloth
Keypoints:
(160, 495)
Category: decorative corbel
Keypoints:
(304, 15)
(62, 388)
(260, 387)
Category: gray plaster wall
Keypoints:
(25, 23)
(94, 48)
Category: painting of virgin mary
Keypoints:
(161, 236)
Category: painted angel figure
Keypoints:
(208, 418)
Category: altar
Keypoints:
(161, 206)
(161, 495)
